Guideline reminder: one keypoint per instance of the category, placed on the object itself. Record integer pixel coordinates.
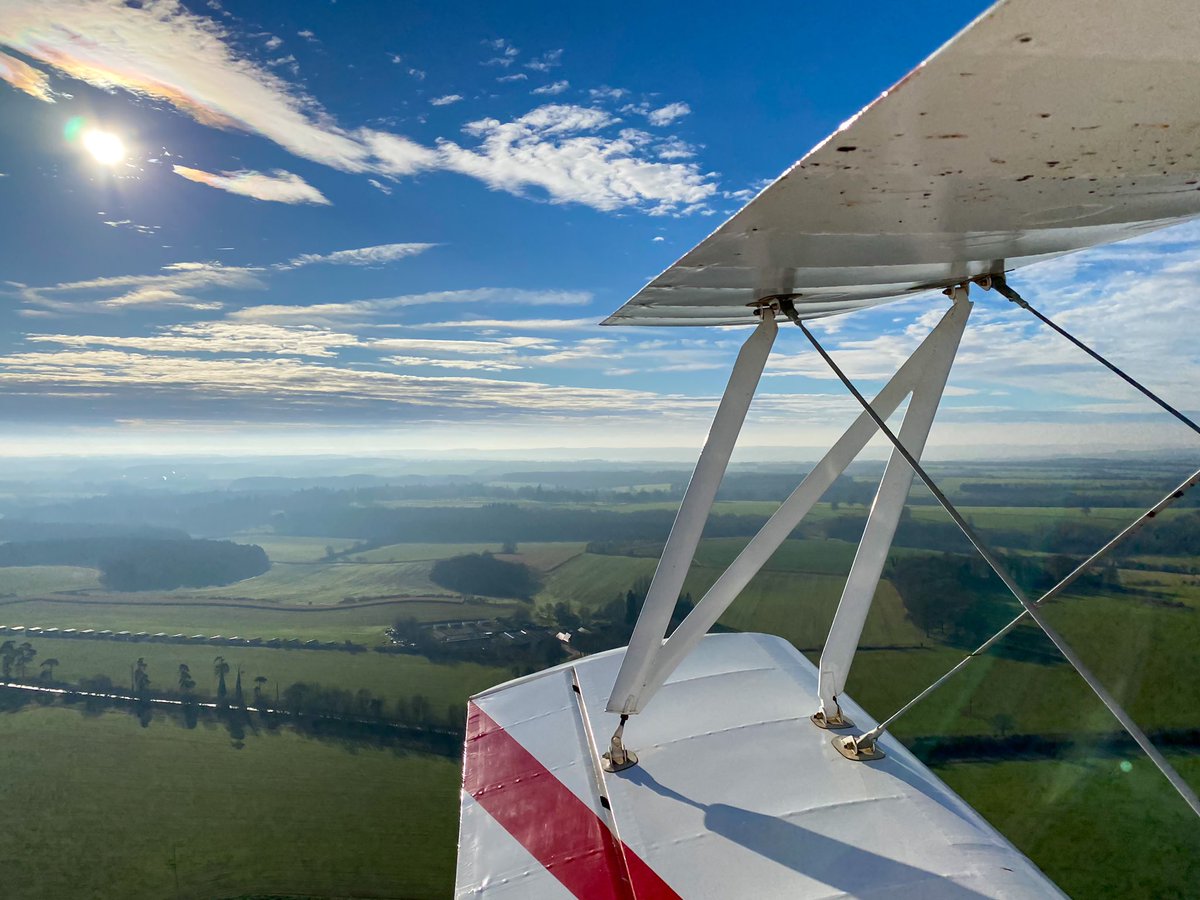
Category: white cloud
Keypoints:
(607, 93)
(665, 115)
(277, 186)
(445, 100)
(516, 76)
(274, 42)
(487, 326)
(547, 61)
(379, 186)
(395, 58)
(397, 155)
(362, 256)
(481, 365)
(418, 74)
(25, 77)
(545, 149)
(218, 337)
(674, 148)
(552, 89)
(310, 387)
(176, 285)
(495, 347)
(163, 50)
(364, 309)
(507, 53)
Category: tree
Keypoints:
(24, 656)
(141, 677)
(48, 668)
(221, 669)
(1003, 723)
(259, 682)
(186, 682)
(238, 697)
(8, 655)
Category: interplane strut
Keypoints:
(649, 661)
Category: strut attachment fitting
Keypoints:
(835, 721)
(617, 759)
(858, 749)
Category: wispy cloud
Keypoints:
(25, 77)
(178, 284)
(445, 100)
(277, 186)
(217, 337)
(378, 255)
(506, 53)
(665, 115)
(547, 61)
(281, 383)
(357, 310)
(515, 76)
(556, 87)
(163, 50)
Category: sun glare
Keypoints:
(105, 147)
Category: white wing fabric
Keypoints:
(1043, 128)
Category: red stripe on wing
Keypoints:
(561, 831)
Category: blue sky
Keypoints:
(392, 228)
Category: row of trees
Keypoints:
(302, 698)
(15, 659)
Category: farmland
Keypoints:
(165, 811)
(1138, 633)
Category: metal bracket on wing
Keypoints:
(650, 660)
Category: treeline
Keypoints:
(959, 597)
(1049, 493)
(498, 522)
(309, 706)
(483, 574)
(139, 564)
(1179, 536)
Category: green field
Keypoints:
(25, 580)
(284, 548)
(785, 598)
(1096, 830)
(361, 624)
(323, 584)
(105, 806)
(398, 553)
(390, 676)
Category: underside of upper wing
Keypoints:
(1041, 129)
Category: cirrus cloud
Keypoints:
(277, 186)
(161, 49)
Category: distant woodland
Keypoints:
(483, 574)
(141, 564)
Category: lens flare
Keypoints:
(105, 147)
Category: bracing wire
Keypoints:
(1131, 727)
(1001, 285)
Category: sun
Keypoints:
(105, 147)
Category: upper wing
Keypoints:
(1043, 128)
